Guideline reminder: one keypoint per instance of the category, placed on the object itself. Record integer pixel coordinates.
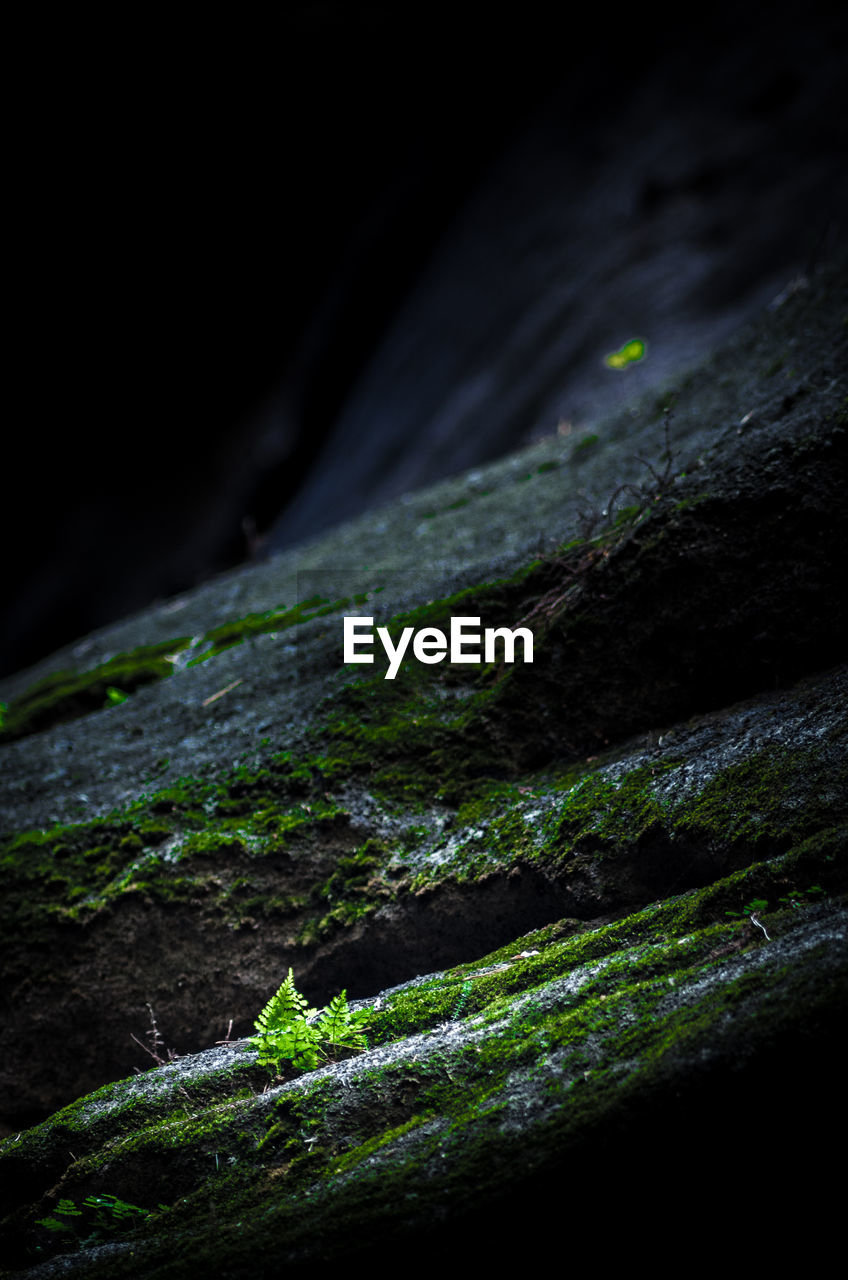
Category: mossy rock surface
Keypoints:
(493, 1088)
(621, 870)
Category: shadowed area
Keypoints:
(401, 249)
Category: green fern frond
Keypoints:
(288, 1030)
(339, 1027)
(334, 1021)
(297, 1043)
(287, 1005)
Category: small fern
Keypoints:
(288, 1030)
(341, 1029)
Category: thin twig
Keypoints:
(154, 1041)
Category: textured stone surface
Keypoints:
(595, 906)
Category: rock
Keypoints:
(595, 906)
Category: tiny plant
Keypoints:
(754, 907)
(630, 353)
(97, 1218)
(288, 1030)
(463, 998)
(800, 896)
(58, 1220)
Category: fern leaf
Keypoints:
(287, 1005)
(339, 1027)
(297, 1043)
(284, 1032)
(306, 1046)
(335, 1020)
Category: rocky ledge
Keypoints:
(593, 908)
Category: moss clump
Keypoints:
(618, 823)
(194, 841)
(67, 695)
(758, 799)
(222, 637)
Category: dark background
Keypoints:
(264, 277)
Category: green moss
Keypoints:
(204, 843)
(222, 637)
(193, 841)
(583, 447)
(687, 504)
(756, 801)
(626, 515)
(67, 695)
(601, 1032)
(565, 1040)
(358, 1155)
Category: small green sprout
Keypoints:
(630, 353)
(57, 1220)
(463, 998)
(797, 898)
(754, 907)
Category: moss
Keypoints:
(188, 842)
(203, 842)
(228, 634)
(355, 872)
(583, 447)
(548, 1049)
(687, 504)
(62, 696)
(67, 695)
(358, 1155)
(626, 515)
(319, 928)
(757, 799)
